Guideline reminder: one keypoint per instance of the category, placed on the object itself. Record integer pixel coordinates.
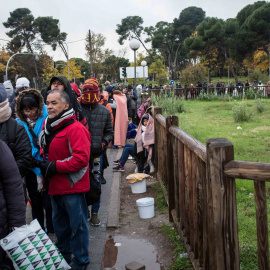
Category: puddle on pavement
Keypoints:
(122, 250)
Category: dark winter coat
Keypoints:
(21, 147)
(100, 126)
(12, 202)
(129, 105)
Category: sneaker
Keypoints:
(116, 162)
(119, 168)
(94, 221)
(103, 181)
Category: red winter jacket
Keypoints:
(70, 148)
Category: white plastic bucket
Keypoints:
(138, 187)
(146, 207)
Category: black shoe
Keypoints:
(119, 168)
(116, 162)
(103, 181)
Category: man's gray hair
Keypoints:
(63, 95)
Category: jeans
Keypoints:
(40, 200)
(96, 166)
(128, 150)
(70, 213)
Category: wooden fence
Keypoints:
(201, 194)
(190, 93)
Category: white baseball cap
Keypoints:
(22, 82)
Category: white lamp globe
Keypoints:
(143, 63)
(134, 44)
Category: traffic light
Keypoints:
(54, 64)
(124, 72)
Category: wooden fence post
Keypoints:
(157, 110)
(171, 120)
(221, 207)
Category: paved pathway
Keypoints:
(97, 235)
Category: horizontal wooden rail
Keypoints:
(193, 144)
(161, 120)
(248, 170)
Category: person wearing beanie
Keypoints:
(14, 135)
(11, 97)
(31, 112)
(101, 130)
(60, 82)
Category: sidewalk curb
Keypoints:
(114, 206)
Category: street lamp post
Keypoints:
(35, 54)
(134, 44)
(143, 63)
(84, 76)
(65, 53)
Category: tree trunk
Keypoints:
(231, 68)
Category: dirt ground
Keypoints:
(132, 225)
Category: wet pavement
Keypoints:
(122, 250)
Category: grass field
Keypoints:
(251, 140)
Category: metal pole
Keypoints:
(68, 61)
(143, 77)
(134, 69)
(11, 58)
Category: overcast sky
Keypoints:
(102, 16)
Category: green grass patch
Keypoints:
(160, 192)
(251, 140)
(178, 262)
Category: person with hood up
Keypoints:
(12, 204)
(31, 113)
(133, 97)
(14, 135)
(60, 82)
(101, 130)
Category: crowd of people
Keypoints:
(52, 141)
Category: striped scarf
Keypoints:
(48, 127)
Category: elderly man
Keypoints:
(66, 144)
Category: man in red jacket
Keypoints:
(67, 144)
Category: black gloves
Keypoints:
(48, 168)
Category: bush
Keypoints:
(169, 103)
(192, 74)
(259, 105)
(241, 113)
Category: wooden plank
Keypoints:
(176, 178)
(223, 234)
(193, 144)
(170, 121)
(262, 225)
(182, 179)
(187, 187)
(248, 170)
(201, 209)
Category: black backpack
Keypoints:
(11, 132)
